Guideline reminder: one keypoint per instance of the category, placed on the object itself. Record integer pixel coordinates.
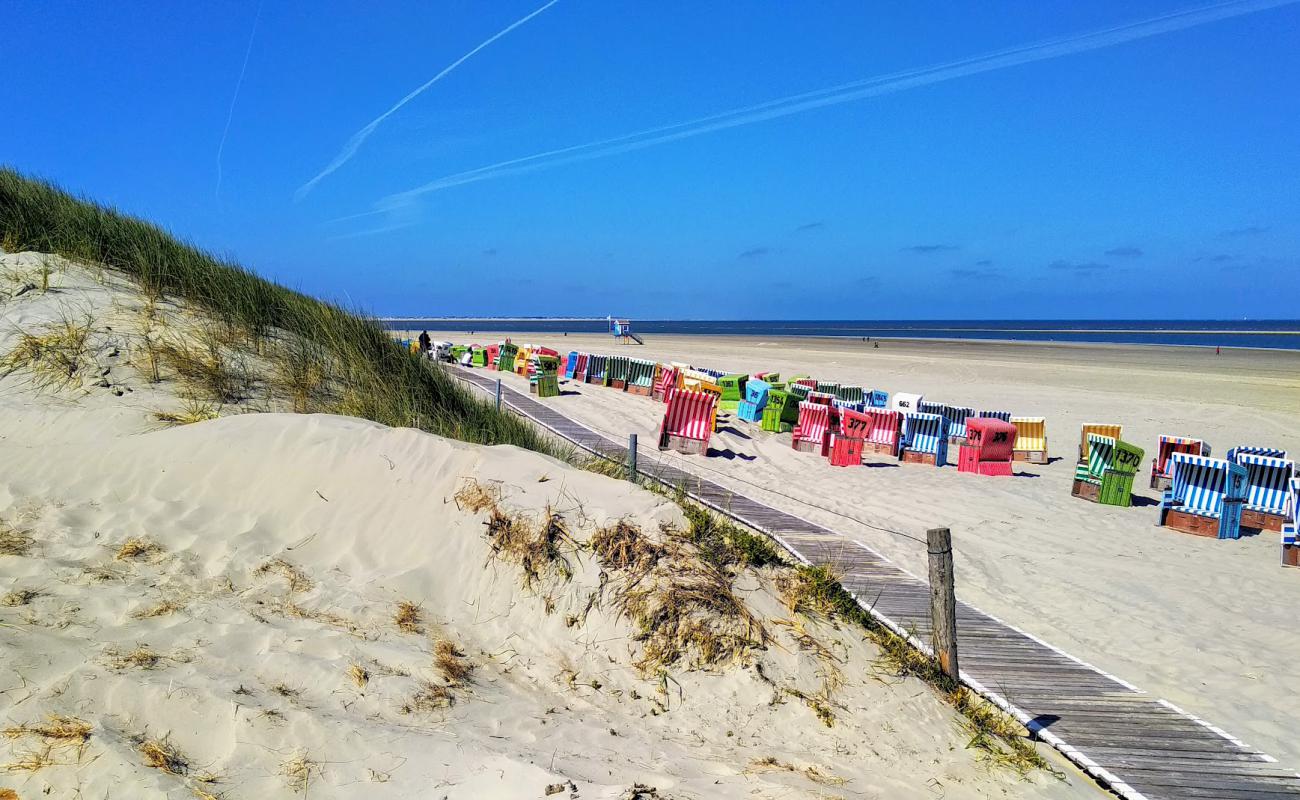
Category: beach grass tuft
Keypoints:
(367, 374)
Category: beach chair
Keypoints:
(1268, 486)
(521, 360)
(1005, 416)
(847, 444)
(828, 387)
(669, 378)
(1291, 530)
(883, 438)
(799, 390)
(772, 379)
(596, 367)
(845, 405)
(1205, 496)
(457, 352)
(478, 356)
(715, 390)
(1166, 447)
(1107, 476)
(755, 402)
(924, 440)
(616, 369)
(640, 377)
(811, 433)
(506, 353)
(987, 446)
(1099, 428)
(733, 391)
(781, 412)
(571, 364)
(580, 371)
(957, 417)
(851, 394)
(924, 406)
(878, 399)
(687, 423)
(544, 376)
(1031, 440)
(906, 403)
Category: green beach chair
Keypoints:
(478, 357)
(544, 376)
(640, 377)
(832, 389)
(616, 372)
(781, 412)
(1117, 480)
(506, 357)
(733, 391)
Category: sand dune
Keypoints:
(278, 605)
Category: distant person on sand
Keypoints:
(876, 345)
(425, 342)
(1216, 350)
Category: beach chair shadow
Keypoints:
(569, 392)
(731, 430)
(874, 465)
(1023, 474)
(1144, 502)
(1053, 459)
(729, 454)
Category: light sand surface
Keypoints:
(1208, 625)
(229, 588)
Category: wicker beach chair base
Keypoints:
(1290, 555)
(880, 449)
(1030, 456)
(1195, 524)
(683, 445)
(1087, 490)
(1160, 482)
(917, 457)
(640, 391)
(1261, 520)
(805, 446)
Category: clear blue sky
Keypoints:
(1151, 178)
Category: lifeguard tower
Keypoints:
(621, 329)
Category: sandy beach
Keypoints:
(1202, 623)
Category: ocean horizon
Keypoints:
(1259, 334)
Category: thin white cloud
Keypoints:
(848, 92)
(354, 144)
(230, 115)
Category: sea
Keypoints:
(1272, 334)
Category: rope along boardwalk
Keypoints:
(1139, 746)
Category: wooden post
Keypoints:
(943, 601)
(631, 457)
(498, 394)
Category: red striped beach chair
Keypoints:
(847, 444)
(688, 421)
(669, 378)
(1161, 469)
(882, 439)
(580, 368)
(812, 432)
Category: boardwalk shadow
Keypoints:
(1043, 721)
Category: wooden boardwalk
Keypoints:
(1137, 745)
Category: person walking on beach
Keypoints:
(425, 342)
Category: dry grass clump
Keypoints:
(19, 597)
(451, 663)
(142, 657)
(476, 496)
(298, 580)
(163, 756)
(535, 545)
(14, 541)
(161, 609)
(56, 357)
(1001, 740)
(191, 411)
(623, 547)
(359, 675)
(408, 617)
(297, 772)
(207, 369)
(138, 548)
(8, 794)
(810, 590)
(57, 729)
(428, 698)
(33, 760)
(811, 772)
(296, 611)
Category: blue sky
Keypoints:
(1149, 178)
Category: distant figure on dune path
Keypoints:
(425, 342)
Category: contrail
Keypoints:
(354, 144)
(238, 84)
(844, 93)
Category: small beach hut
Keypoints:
(812, 433)
(1291, 530)
(924, 440)
(640, 376)
(688, 421)
(1268, 486)
(987, 446)
(886, 427)
(1031, 440)
(906, 403)
(1205, 496)
(756, 392)
(733, 391)
(1166, 447)
(1099, 428)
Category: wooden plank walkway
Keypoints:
(1141, 747)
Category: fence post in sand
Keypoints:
(631, 457)
(943, 601)
(498, 394)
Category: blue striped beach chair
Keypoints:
(1005, 416)
(957, 416)
(878, 399)
(1205, 496)
(1291, 529)
(851, 394)
(1268, 486)
(846, 405)
(756, 393)
(926, 407)
(925, 439)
